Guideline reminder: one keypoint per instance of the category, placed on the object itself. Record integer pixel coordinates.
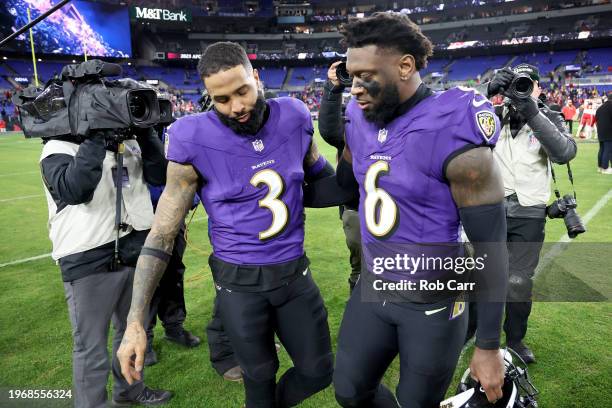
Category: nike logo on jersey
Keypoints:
(479, 103)
(305, 272)
(430, 312)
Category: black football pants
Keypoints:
(427, 337)
(296, 313)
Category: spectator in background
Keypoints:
(569, 111)
(604, 134)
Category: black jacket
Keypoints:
(604, 122)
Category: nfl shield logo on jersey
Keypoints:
(258, 145)
(382, 135)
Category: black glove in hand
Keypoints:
(501, 82)
(527, 107)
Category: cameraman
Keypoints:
(532, 136)
(79, 178)
(331, 128)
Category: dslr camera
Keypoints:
(83, 100)
(343, 75)
(521, 86)
(566, 208)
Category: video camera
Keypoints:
(84, 101)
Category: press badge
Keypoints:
(125, 178)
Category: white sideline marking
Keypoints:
(18, 174)
(19, 261)
(6, 200)
(34, 258)
(565, 239)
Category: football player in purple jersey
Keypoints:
(423, 164)
(248, 160)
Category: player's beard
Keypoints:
(253, 124)
(383, 112)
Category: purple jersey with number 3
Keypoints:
(251, 185)
(404, 194)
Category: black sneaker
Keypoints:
(150, 356)
(184, 338)
(523, 351)
(147, 397)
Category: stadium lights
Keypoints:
(74, 61)
(39, 60)
(129, 63)
(4, 58)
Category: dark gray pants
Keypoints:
(525, 238)
(350, 223)
(93, 301)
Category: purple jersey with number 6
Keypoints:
(251, 185)
(404, 194)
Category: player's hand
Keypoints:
(487, 367)
(331, 74)
(501, 82)
(134, 342)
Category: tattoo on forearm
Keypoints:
(171, 210)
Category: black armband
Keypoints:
(326, 192)
(345, 175)
(485, 226)
(157, 253)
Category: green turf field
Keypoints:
(570, 340)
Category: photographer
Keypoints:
(331, 128)
(532, 136)
(79, 178)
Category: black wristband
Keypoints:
(157, 253)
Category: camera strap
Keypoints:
(119, 226)
(569, 175)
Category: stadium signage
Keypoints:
(159, 14)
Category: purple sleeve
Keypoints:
(482, 121)
(476, 125)
(178, 146)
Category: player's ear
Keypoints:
(407, 66)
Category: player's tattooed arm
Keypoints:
(174, 203)
(475, 178)
(172, 207)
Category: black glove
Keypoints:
(501, 82)
(527, 107)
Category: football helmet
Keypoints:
(518, 391)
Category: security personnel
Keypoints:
(532, 136)
(79, 182)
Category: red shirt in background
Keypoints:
(569, 112)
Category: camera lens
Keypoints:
(343, 75)
(139, 107)
(522, 86)
(573, 223)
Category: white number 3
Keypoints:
(276, 188)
